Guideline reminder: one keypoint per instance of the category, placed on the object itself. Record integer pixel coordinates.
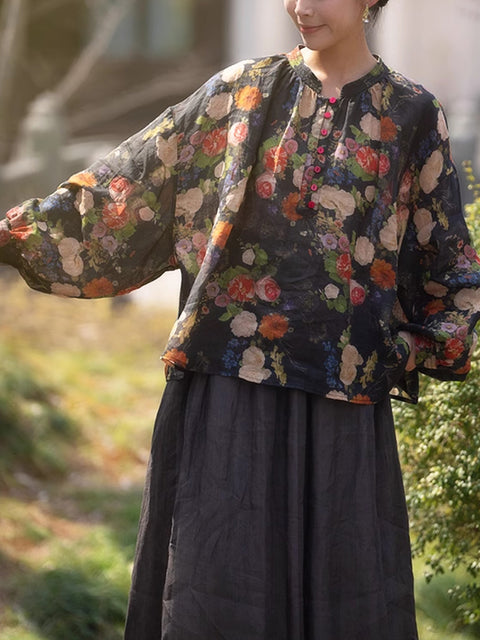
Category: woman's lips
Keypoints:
(305, 29)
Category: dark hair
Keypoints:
(375, 10)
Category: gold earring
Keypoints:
(366, 14)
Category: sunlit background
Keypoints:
(80, 381)
(78, 76)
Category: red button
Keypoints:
(321, 150)
(328, 115)
(332, 100)
(317, 169)
(311, 205)
(314, 187)
(324, 132)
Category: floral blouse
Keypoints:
(309, 231)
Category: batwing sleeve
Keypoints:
(439, 270)
(105, 231)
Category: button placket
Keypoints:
(322, 129)
(326, 127)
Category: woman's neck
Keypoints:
(339, 67)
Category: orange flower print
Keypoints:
(382, 274)
(83, 179)
(273, 326)
(388, 129)
(275, 159)
(175, 356)
(115, 215)
(344, 266)
(220, 233)
(98, 288)
(454, 348)
(241, 288)
(248, 98)
(21, 233)
(289, 206)
(215, 142)
(120, 189)
(433, 307)
(361, 399)
(367, 158)
(464, 370)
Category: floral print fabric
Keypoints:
(309, 231)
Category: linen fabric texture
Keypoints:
(309, 231)
(271, 513)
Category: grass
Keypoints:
(80, 383)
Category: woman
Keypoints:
(311, 204)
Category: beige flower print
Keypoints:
(370, 125)
(69, 250)
(331, 291)
(146, 214)
(235, 198)
(189, 203)
(167, 150)
(424, 224)
(342, 202)
(252, 368)
(337, 395)
(388, 235)
(467, 300)
(364, 251)
(370, 192)
(308, 103)
(220, 105)
(431, 172)
(442, 126)
(248, 256)
(350, 360)
(65, 290)
(435, 289)
(84, 201)
(376, 93)
(234, 72)
(244, 324)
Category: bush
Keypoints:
(440, 445)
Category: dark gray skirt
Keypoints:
(271, 514)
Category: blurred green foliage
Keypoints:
(35, 433)
(84, 596)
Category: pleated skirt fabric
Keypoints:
(271, 514)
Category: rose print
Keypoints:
(454, 348)
(357, 293)
(115, 216)
(237, 133)
(367, 158)
(344, 266)
(267, 289)
(275, 159)
(120, 189)
(241, 288)
(265, 185)
(215, 142)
